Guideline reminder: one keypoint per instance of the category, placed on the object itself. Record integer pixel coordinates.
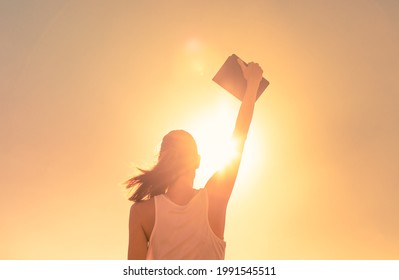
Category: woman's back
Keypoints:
(183, 231)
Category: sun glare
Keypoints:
(216, 155)
(213, 134)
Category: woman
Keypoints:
(170, 219)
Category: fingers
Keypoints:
(250, 71)
(250, 64)
(242, 64)
(255, 67)
(254, 64)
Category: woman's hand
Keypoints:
(252, 72)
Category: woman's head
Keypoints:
(178, 156)
(179, 149)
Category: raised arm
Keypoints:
(222, 182)
(253, 75)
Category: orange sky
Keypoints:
(88, 89)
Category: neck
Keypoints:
(181, 191)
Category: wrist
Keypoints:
(253, 82)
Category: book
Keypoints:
(230, 78)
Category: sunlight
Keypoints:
(195, 52)
(213, 134)
(217, 151)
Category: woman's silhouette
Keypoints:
(170, 219)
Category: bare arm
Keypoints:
(220, 185)
(253, 75)
(137, 249)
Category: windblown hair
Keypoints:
(177, 155)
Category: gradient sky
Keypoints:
(88, 89)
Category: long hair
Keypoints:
(177, 155)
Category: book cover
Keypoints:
(230, 77)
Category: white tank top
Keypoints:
(182, 232)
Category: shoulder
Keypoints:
(140, 228)
(141, 208)
(142, 215)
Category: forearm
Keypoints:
(246, 111)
